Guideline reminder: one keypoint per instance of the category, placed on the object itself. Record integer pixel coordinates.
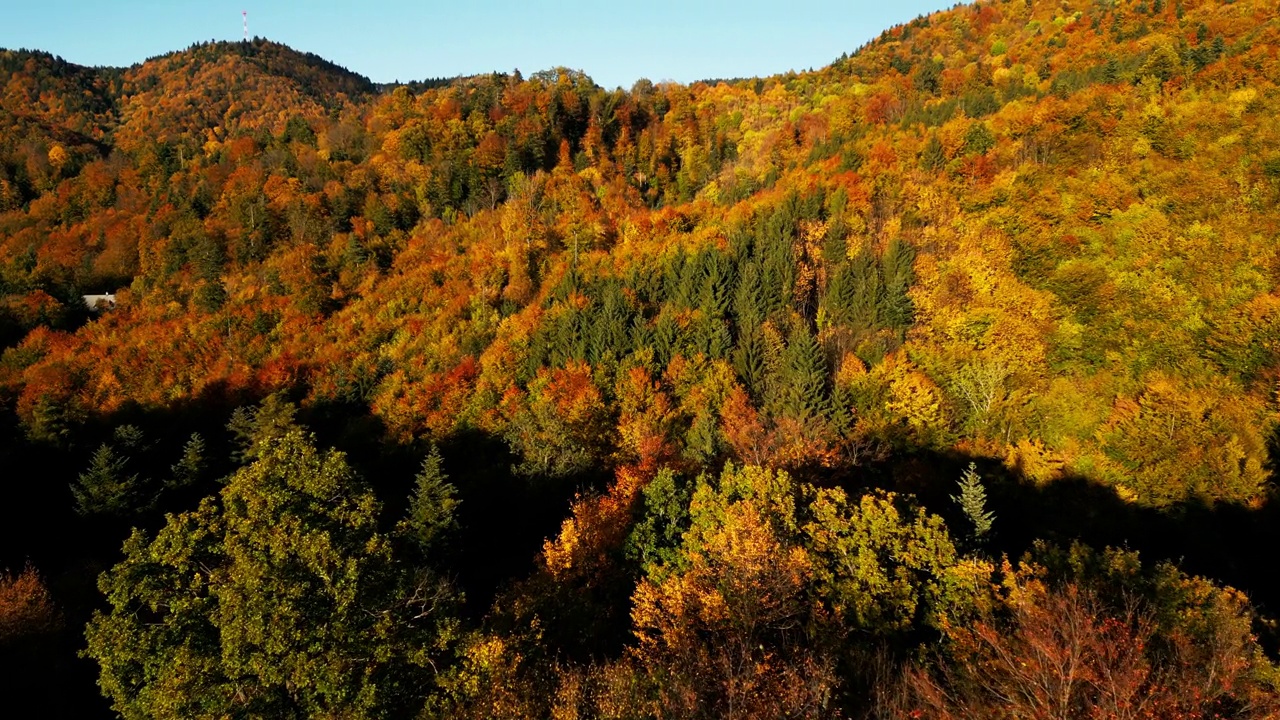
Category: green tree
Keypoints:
(973, 502)
(191, 465)
(278, 598)
(806, 377)
(255, 428)
(934, 156)
(432, 504)
(899, 274)
(106, 487)
(656, 537)
(979, 139)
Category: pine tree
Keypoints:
(806, 377)
(862, 307)
(717, 280)
(191, 465)
(748, 305)
(934, 156)
(432, 504)
(973, 502)
(749, 361)
(105, 487)
(899, 275)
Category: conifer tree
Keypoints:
(862, 311)
(973, 502)
(105, 487)
(806, 395)
(934, 156)
(749, 361)
(432, 504)
(899, 274)
(192, 463)
(748, 305)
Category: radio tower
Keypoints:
(245, 13)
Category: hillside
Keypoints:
(1036, 237)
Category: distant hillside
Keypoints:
(1036, 237)
(1076, 199)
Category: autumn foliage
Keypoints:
(703, 362)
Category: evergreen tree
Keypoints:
(667, 337)
(641, 333)
(106, 488)
(863, 309)
(255, 428)
(806, 377)
(973, 502)
(749, 361)
(899, 275)
(934, 156)
(717, 282)
(432, 505)
(748, 304)
(838, 298)
(191, 465)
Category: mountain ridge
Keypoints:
(1038, 238)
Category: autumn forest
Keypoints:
(940, 382)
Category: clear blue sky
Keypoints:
(615, 43)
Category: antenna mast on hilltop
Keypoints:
(245, 13)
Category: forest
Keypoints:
(940, 382)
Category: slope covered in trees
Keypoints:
(696, 368)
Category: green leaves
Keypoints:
(432, 505)
(973, 502)
(884, 569)
(279, 598)
(106, 487)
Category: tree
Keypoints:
(805, 378)
(973, 502)
(432, 505)
(26, 609)
(1129, 643)
(899, 275)
(934, 156)
(255, 428)
(191, 465)
(106, 487)
(277, 598)
(752, 597)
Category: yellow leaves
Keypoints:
(646, 420)
(58, 157)
(1032, 460)
(1240, 100)
(597, 528)
(741, 570)
(1180, 440)
(972, 299)
(912, 395)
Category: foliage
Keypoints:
(1035, 235)
(973, 502)
(1121, 643)
(26, 608)
(278, 598)
(432, 506)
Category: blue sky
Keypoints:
(614, 43)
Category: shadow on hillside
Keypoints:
(1229, 543)
(503, 518)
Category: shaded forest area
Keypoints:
(939, 382)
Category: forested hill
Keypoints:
(1039, 237)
